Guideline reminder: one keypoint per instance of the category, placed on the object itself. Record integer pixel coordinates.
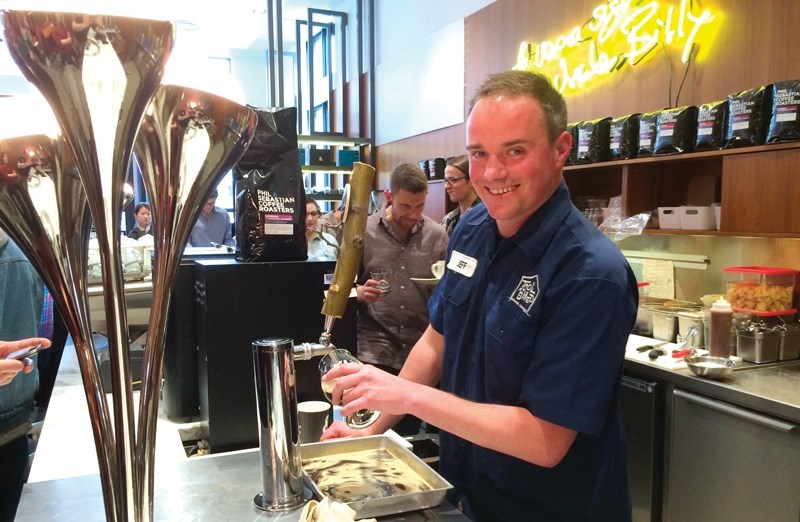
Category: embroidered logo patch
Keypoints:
(525, 293)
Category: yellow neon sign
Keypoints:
(620, 33)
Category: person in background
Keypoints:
(459, 189)
(331, 222)
(321, 245)
(527, 335)
(21, 304)
(213, 226)
(144, 223)
(399, 238)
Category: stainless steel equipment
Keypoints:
(273, 360)
(413, 485)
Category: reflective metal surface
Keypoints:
(188, 139)
(279, 430)
(101, 75)
(43, 207)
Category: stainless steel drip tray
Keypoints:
(373, 475)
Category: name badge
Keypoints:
(462, 264)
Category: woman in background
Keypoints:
(143, 224)
(321, 245)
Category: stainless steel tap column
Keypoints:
(279, 431)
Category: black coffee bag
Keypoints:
(647, 133)
(572, 159)
(748, 113)
(593, 141)
(624, 140)
(675, 130)
(711, 120)
(784, 124)
(270, 194)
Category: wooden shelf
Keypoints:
(756, 187)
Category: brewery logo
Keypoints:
(525, 293)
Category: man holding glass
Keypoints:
(402, 243)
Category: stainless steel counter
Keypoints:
(213, 488)
(770, 389)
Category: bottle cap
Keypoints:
(721, 305)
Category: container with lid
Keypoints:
(760, 288)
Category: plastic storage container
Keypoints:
(760, 288)
(697, 218)
(669, 217)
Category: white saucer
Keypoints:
(425, 281)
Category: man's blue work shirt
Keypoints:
(539, 320)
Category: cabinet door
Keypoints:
(759, 192)
(729, 463)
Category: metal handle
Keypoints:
(740, 413)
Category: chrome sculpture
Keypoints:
(187, 141)
(99, 75)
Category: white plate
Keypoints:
(425, 281)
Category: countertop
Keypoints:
(215, 487)
(772, 389)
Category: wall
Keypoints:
(755, 46)
(751, 49)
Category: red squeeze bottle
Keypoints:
(721, 337)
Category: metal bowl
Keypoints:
(710, 367)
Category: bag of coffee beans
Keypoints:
(784, 124)
(711, 120)
(593, 140)
(675, 130)
(270, 194)
(624, 141)
(572, 159)
(747, 117)
(647, 133)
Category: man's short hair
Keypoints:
(534, 85)
(408, 177)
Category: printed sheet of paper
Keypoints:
(661, 276)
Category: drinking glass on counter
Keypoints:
(360, 419)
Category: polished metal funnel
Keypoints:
(187, 141)
(98, 74)
(43, 207)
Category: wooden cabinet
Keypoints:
(757, 187)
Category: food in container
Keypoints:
(760, 288)
(373, 475)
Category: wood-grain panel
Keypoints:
(760, 192)
(755, 46)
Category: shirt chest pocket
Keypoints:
(510, 340)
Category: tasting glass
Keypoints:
(382, 276)
(360, 419)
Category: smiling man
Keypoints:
(527, 331)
